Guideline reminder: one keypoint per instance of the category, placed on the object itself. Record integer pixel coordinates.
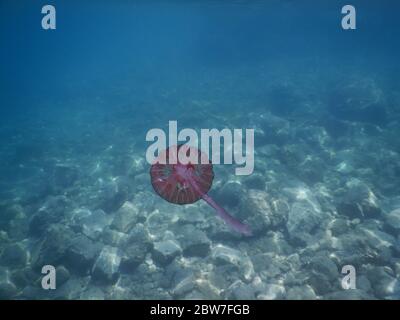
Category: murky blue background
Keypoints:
(76, 103)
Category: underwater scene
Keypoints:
(295, 105)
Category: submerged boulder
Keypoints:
(359, 201)
(126, 217)
(53, 211)
(223, 256)
(392, 220)
(324, 274)
(9, 212)
(113, 194)
(135, 248)
(53, 247)
(165, 251)
(90, 223)
(259, 214)
(63, 275)
(240, 291)
(14, 255)
(8, 290)
(107, 264)
(230, 194)
(353, 294)
(305, 221)
(384, 282)
(81, 254)
(194, 242)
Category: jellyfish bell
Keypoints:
(187, 182)
(175, 182)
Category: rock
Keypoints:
(345, 167)
(184, 286)
(223, 255)
(320, 283)
(113, 194)
(4, 237)
(383, 281)
(126, 290)
(291, 155)
(195, 295)
(141, 180)
(255, 181)
(273, 241)
(135, 248)
(193, 215)
(339, 226)
(81, 254)
(323, 274)
(31, 292)
(113, 238)
(257, 212)
(240, 291)
(392, 220)
(137, 165)
(53, 211)
(301, 293)
(305, 220)
(351, 249)
(207, 289)
(70, 290)
(14, 256)
(359, 201)
(65, 175)
(18, 228)
(8, 213)
(125, 218)
(133, 256)
(145, 202)
(363, 283)
(351, 294)
(90, 223)
(268, 265)
(7, 290)
(62, 275)
(324, 265)
(24, 277)
(397, 266)
(380, 245)
(194, 242)
(311, 170)
(230, 194)
(53, 247)
(106, 267)
(165, 251)
(272, 292)
(181, 278)
(92, 293)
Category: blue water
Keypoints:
(76, 104)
